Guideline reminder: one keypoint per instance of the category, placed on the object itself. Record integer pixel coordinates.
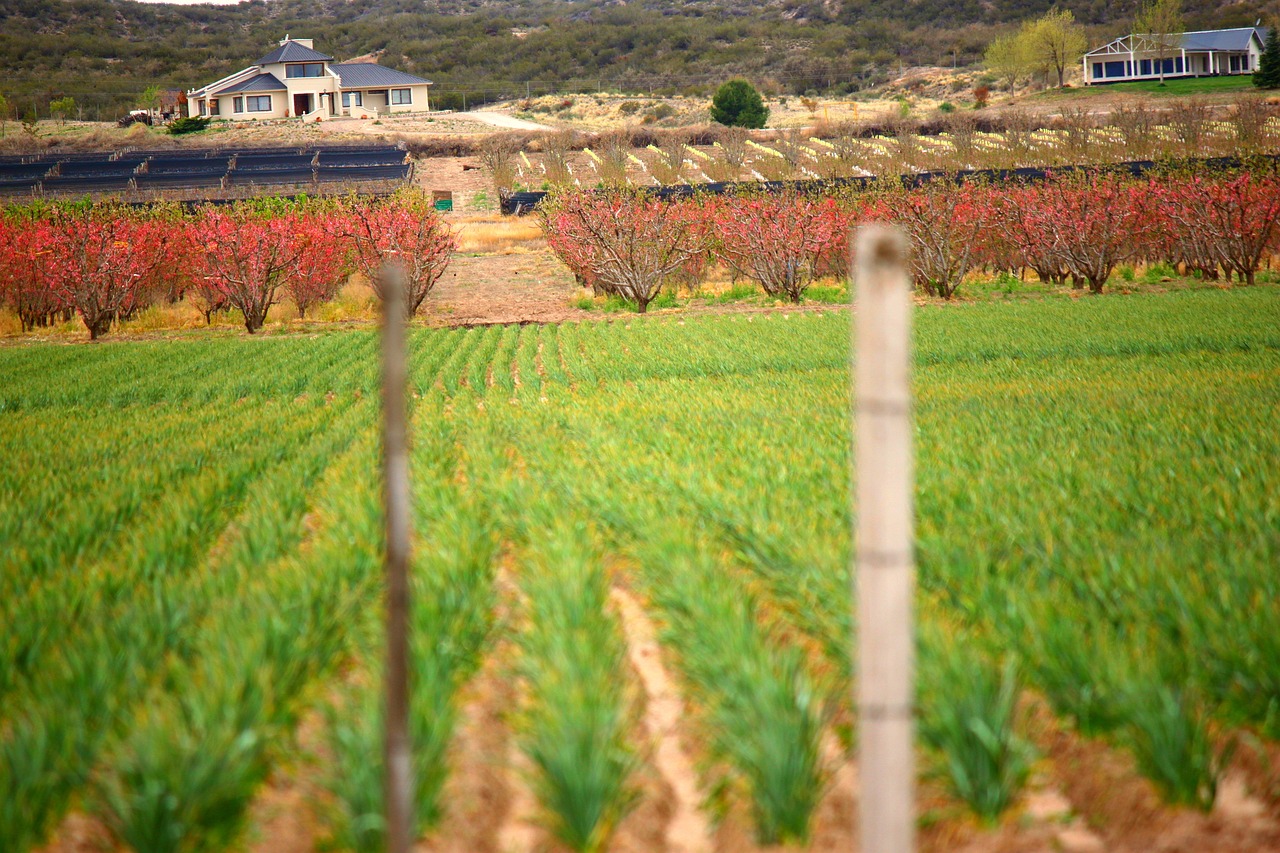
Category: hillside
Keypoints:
(104, 52)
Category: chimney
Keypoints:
(306, 43)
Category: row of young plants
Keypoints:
(1077, 226)
(105, 263)
(960, 141)
(1080, 548)
(162, 613)
(1113, 557)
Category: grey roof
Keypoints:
(291, 51)
(261, 83)
(362, 75)
(1237, 39)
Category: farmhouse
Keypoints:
(295, 79)
(1203, 53)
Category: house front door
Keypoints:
(301, 104)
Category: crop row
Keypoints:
(1076, 138)
(1097, 521)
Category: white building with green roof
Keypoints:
(296, 80)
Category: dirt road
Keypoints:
(502, 120)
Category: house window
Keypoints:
(348, 97)
(259, 103)
(402, 96)
(1146, 68)
(238, 104)
(202, 108)
(213, 107)
(1097, 71)
(305, 69)
(1235, 63)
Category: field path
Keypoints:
(687, 831)
(502, 120)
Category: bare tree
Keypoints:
(498, 153)
(614, 149)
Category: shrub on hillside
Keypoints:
(738, 104)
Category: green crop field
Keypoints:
(189, 560)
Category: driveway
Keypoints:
(502, 120)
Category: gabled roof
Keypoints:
(291, 51)
(1237, 39)
(261, 83)
(361, 75)
(1215, 40)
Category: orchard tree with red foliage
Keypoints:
(782, 242)
(1233, 222)
(946, 222)
(248, 258)
(26, 271)
(1091, 222)
(405, 230)
(323, 262)
(105, 263)
(625, 240)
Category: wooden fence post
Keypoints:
(395, 456)
(885, 573)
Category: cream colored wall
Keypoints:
(420, 103)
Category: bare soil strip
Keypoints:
(687, 831)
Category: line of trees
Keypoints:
(106, 263)
(1075, 227)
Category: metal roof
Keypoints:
(291, 51)
(1237, 39)
(362, 75)
(261, 83)
(1212, 40)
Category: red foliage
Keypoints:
(1229, 223)
(626, 242)
(1085, 223)
(947, 224)
(105, 264)
(247, 258)
(781, 242)
(404, 230)
(323, 263)
(26, 267)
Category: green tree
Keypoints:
(738, 104)
(1008, 59)
(1054, 41)
(1268, 74)
(62, 108)
(149, 100)
(4, 114)
(1159, 22)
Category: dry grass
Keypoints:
(498, 236)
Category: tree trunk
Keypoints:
(1096, 285)
(642, 306)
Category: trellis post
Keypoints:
(885, 572)
(395, 456)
